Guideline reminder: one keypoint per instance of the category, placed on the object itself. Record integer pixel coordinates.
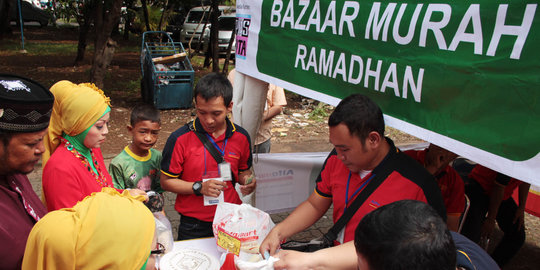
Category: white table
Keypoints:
(193, 259)
(207, 245)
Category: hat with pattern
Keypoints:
(25, 105)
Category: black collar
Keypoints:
(231, 128)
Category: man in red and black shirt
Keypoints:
(436, 159)
(491, 200)
(360, 153)
(186, 161)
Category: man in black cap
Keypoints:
(25, 110)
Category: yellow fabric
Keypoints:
(76, 108)
(106, 230)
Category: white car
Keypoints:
(195, 21)
(227, 23)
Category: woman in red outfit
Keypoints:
(73, 164)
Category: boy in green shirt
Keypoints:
(138, 165)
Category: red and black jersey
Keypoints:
(486, 177)
(185, 157)
(408, 180)
(450, 183)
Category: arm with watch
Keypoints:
(209, 188)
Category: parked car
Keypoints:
(227, 23)
(195, 21)
(30, 13)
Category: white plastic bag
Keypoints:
(260, 265)
(240, 229)
(164, 231)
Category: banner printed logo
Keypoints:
(242, 29)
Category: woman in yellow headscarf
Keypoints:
(106, 230)
(73, 166)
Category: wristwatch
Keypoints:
(197, 186)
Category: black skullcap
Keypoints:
(25, 105)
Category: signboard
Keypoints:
(463, 75)
(284, 180)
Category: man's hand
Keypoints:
(293, 260)
(271, 243)
(213, 187)
(249, 188)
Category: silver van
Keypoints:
(227, 23)
(194, 23)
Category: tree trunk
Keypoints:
(84, 27)
(164, 15)
(145, 12)
(106, 19)
(81, 46)
(228, 54)
(4, 18)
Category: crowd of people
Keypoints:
(406, 207)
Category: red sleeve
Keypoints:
(323, 185)
(177, 158)
(60, 186)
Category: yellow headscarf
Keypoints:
(106, 230)
(76, 108)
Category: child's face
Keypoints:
(144, 134)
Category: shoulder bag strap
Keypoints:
(211, 148)
(333, 232)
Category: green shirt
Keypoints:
(129, 170)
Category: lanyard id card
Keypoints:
(225, 171)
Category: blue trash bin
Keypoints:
(166, 85)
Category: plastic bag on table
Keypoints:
(240, 229)
(230, 262)
(164, 231)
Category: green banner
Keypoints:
(469, 71)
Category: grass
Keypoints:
(10, 47)
(131, 86)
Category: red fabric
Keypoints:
(334, 181)
(486, 178)
(189, 161)
(533, 201)
(228, 264)
(450, 183)
(15, 221)
(67, 181)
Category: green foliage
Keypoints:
(69, 9)
(154, 15)
(131, 86)
(319, 112)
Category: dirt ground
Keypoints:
(297, 130)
